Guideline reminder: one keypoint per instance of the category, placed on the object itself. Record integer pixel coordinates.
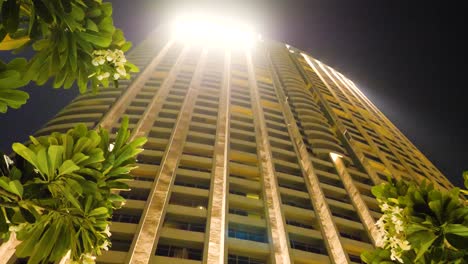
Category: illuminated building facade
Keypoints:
(254, 155)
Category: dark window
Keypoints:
(258, 236)
(125, 218)
(235, 259)
(195, 227)
(319, 249)
(179, 252)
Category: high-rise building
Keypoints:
(255, 155)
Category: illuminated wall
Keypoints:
(256, 154)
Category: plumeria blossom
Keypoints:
(113, 58)
(391, 227)
(107, 231)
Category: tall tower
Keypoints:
(257, 154)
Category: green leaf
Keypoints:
(4, 184)
(132, 67)
(91, 25)
(55, 157)
(106, 9)
(25, 248)
(16, 187)
(98, 39)
(95, 12)
(10, 79)
(116, 185)
(122, 135)
(106, 25)
(421, 241)
(3, 224)
(13, 98)
(68, 167)
(10, 15)
(126, 46)
(77, 13)
(457, 229)
(43, 162)
(26, 153)
(44, 246)
(98, 211)
(70, 197)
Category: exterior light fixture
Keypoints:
(213, 31)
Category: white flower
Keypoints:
(111, 147)
(105, 245)
(107, 231)
(391, 227)
(121, 70)
(115, 59)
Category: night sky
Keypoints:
(408, 57)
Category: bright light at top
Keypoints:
(213, 31)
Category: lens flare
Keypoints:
(213, 31)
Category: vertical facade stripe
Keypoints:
(119, 107)
(146, 240)
(328, 228)
(374, 177)
(146, 122)
(356, 199)
(279, 243)
(217, 219)
(7, 249)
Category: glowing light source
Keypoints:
(213, 31)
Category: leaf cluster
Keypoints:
(437, 226)
(61, 191)
(63, 34)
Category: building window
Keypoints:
(136, 194)
(319, 249)
(125, 218)
(179, 252)
(120, 245)
(235, 259)
(195, 227)
(258, 236)
(298, 224)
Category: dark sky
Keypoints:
(408, 57)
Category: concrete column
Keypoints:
(279, 243)
(217, 219)
(356, 199)
(370, 171)
(324, 216)
(124, 101)
(8, 248)
(146, 238)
